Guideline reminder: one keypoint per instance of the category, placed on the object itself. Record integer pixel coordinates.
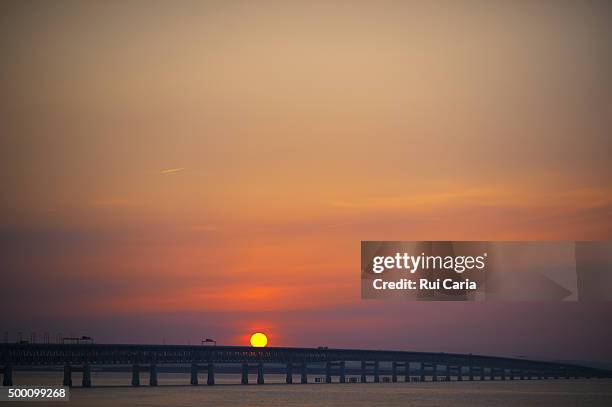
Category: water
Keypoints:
(174, 390)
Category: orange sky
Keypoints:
(205, 158)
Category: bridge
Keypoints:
(408, 366)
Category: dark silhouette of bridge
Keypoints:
(410, 366)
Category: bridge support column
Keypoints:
(394, 372)
(67, 375)
(7, 380)
(86, 382)
(422, 371)
(376, 372)
(328, 378)
(434, 374)
(289, 375)
(194, 374)
(343, 372)
(471, 373)
(245, 374)
(522, 375)
(260, 373)
(459, 373)
(448, 376)
(135, 375)
(210, 379)
(304, 374)
(503, 374)
(407, 372)
(364, 378)
(153, 375)
(482, 373)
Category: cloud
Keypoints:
(583, 198)
(112, 202)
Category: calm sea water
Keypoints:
(174, 390)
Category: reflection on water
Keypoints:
(177, 391)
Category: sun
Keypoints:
(259, 340)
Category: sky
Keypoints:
(172, 171)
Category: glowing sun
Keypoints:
(259, 340)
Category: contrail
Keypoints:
(171, 170)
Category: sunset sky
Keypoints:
(172, 171)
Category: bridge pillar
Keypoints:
(289, 375)
(304, 374)
(328, 378)
(343, 372)
(8, 375)
(376, 372)
(153, 375)
(135, 375)
(260, 373)
(459, 373)
(448, 376)
(503, 373)
(522, 375)
(434, 373)
(482, 373)
(492, 373)
(422, 371)
(67, 375)
(194, 374)
(539, 375)
(364, 378)
(394, 372)
(210, 379)
(471, 373)
(86, 382)
(245, 374)
(407, 372)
